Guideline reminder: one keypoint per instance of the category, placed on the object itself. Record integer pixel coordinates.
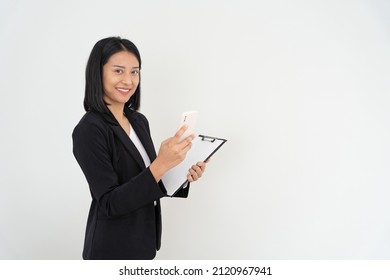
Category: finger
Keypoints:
(198, 170)
(202, 165)
(186, 148)
(181, 131)
(194, 174)
(189, 178)
(186, 144)
(187, 140)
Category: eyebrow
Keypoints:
(123, 67)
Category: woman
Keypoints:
(114, 149)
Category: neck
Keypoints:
(117, 111)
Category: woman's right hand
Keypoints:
(172, 152)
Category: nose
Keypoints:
(127, 80)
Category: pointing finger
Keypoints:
(181, 131)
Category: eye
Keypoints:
(135, 72)
(119, 71)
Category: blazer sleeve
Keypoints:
(91, 148)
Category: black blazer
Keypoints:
(124, 220)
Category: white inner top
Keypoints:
(139, 146)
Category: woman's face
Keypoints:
(120, 78)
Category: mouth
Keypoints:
(123, 90)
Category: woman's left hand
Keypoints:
(196, 171)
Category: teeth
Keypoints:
(123, 90)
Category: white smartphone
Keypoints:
(189, 118)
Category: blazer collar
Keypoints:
(140, 129)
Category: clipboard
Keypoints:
(203, 147)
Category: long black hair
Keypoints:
(101, 52)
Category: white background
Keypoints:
(299, 88)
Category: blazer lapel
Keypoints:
(143, 136)
(125, 139)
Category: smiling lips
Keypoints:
(123, 91)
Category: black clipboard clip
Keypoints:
(208, 138)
